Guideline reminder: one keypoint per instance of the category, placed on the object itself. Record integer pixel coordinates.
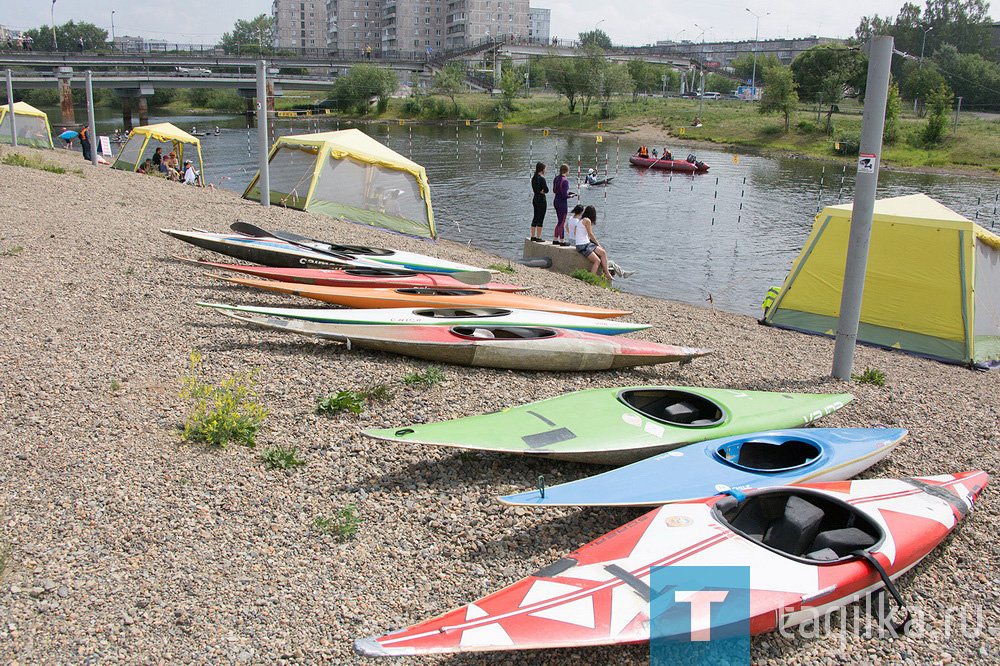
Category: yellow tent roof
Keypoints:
(24, 108)
(356, 143)
(917, 209)
(166, 132)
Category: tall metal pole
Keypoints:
(957, 109)
(90, 121)
(55, 41)
(264, 179)
(10, 109)
(112, 31)
(872, 124)
(756, 35)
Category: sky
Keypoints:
(629, 22)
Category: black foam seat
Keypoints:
(795, 528)
(824, 555)
(843, 541)
(702, 422)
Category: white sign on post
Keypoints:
(867, 162)
(105, 145)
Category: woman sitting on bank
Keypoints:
(580, 227)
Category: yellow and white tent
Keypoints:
(932, 286)
(31, 125)
(349, 175)
(143, 141)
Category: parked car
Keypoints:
(712, 95)
(193, 71)
(689, 94)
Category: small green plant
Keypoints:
(352, 401)
(343, 525)
(222, 414)
(501, 268)
(114, 385)
(379, 393)
(12, 252)
(32, 162)
(871, 376)
(282, 457)
(4, 558)
(590, 278)
(428, 377)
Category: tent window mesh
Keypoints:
(31, 130)
(371, 187)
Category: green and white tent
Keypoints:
(932, 286)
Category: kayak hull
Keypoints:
(441, 317)
(605, 426)
(354, 277)
(718, 465)
(601, 593)
(668, 165)
(430, 298)
(560, 351)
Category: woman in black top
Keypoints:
(540, 189)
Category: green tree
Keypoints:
(970, 75)
(824, 73)
(251, 37)
(68, 35)
(511, 83)
(595, 37)
(743, 65)
(615, 80)
(591, 68)
(356, 89)
(638, 70)
(893, 107)
(918, 82)
(566, 78)
(779, 94)
(450, 81)
(939, 102)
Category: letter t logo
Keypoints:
(701, 611)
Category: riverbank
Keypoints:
(127, 546)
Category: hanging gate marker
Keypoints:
(715, 199)
(742, 191)
(819, 195)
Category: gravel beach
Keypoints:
(119, 544)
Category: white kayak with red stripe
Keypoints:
(799, 543)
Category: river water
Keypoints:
(719, 239)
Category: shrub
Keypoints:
(847, 143)
(222, 414)
(871, 376)
(806, 127)
(32, 162)
(352, 401)
(343, 524)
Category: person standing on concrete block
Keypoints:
(539, 189)
(560, 201)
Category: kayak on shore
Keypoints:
(757, 460)
(441, 317)
(616, 426)
(425, 297)
(807, 550)
(491, 346)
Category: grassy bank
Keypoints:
(732, 123)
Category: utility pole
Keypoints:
(957, 109)
(90, 120)
(263, 145)
(879, 51)
(10, 109)
(756, 35)
(55, 41)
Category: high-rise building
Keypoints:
(472, 21)
(300, 26)
(413, 26)
(355, 25)
(539, 25)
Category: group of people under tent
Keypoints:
(168, 167)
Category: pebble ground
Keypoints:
(122, 545)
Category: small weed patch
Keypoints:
(352, 401)
(282, 457)
(590, 278)
(114, 385)
(343, 525)
(379, 393)
(870, 375)
(222, 414)
(4, 558)
(32, 162)
(501, 268)
(429, 377)
(12, 252)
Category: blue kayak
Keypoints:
(69, 135)
(757, 460)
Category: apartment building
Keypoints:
(300, 26)
(539, 25)
(355, 25)
(472, 21)
(413, 26)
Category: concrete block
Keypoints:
(564, 259)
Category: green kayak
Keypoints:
(617, 426)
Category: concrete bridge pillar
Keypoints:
(143, 111)
(65, 76)
(127, 114)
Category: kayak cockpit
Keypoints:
(800, 524)
(461, 313)
(770, 455)
(674, 406)
(380, 272)
(430, 291)
(503, 332)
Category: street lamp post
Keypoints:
(112, 31)
(923, 43)
(756, 36)
(55, 41)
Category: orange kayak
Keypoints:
(424, 297)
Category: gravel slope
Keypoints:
(127, 546)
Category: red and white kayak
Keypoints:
(388, 278)
(798, 542)
(490, 346)
(668, 165)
